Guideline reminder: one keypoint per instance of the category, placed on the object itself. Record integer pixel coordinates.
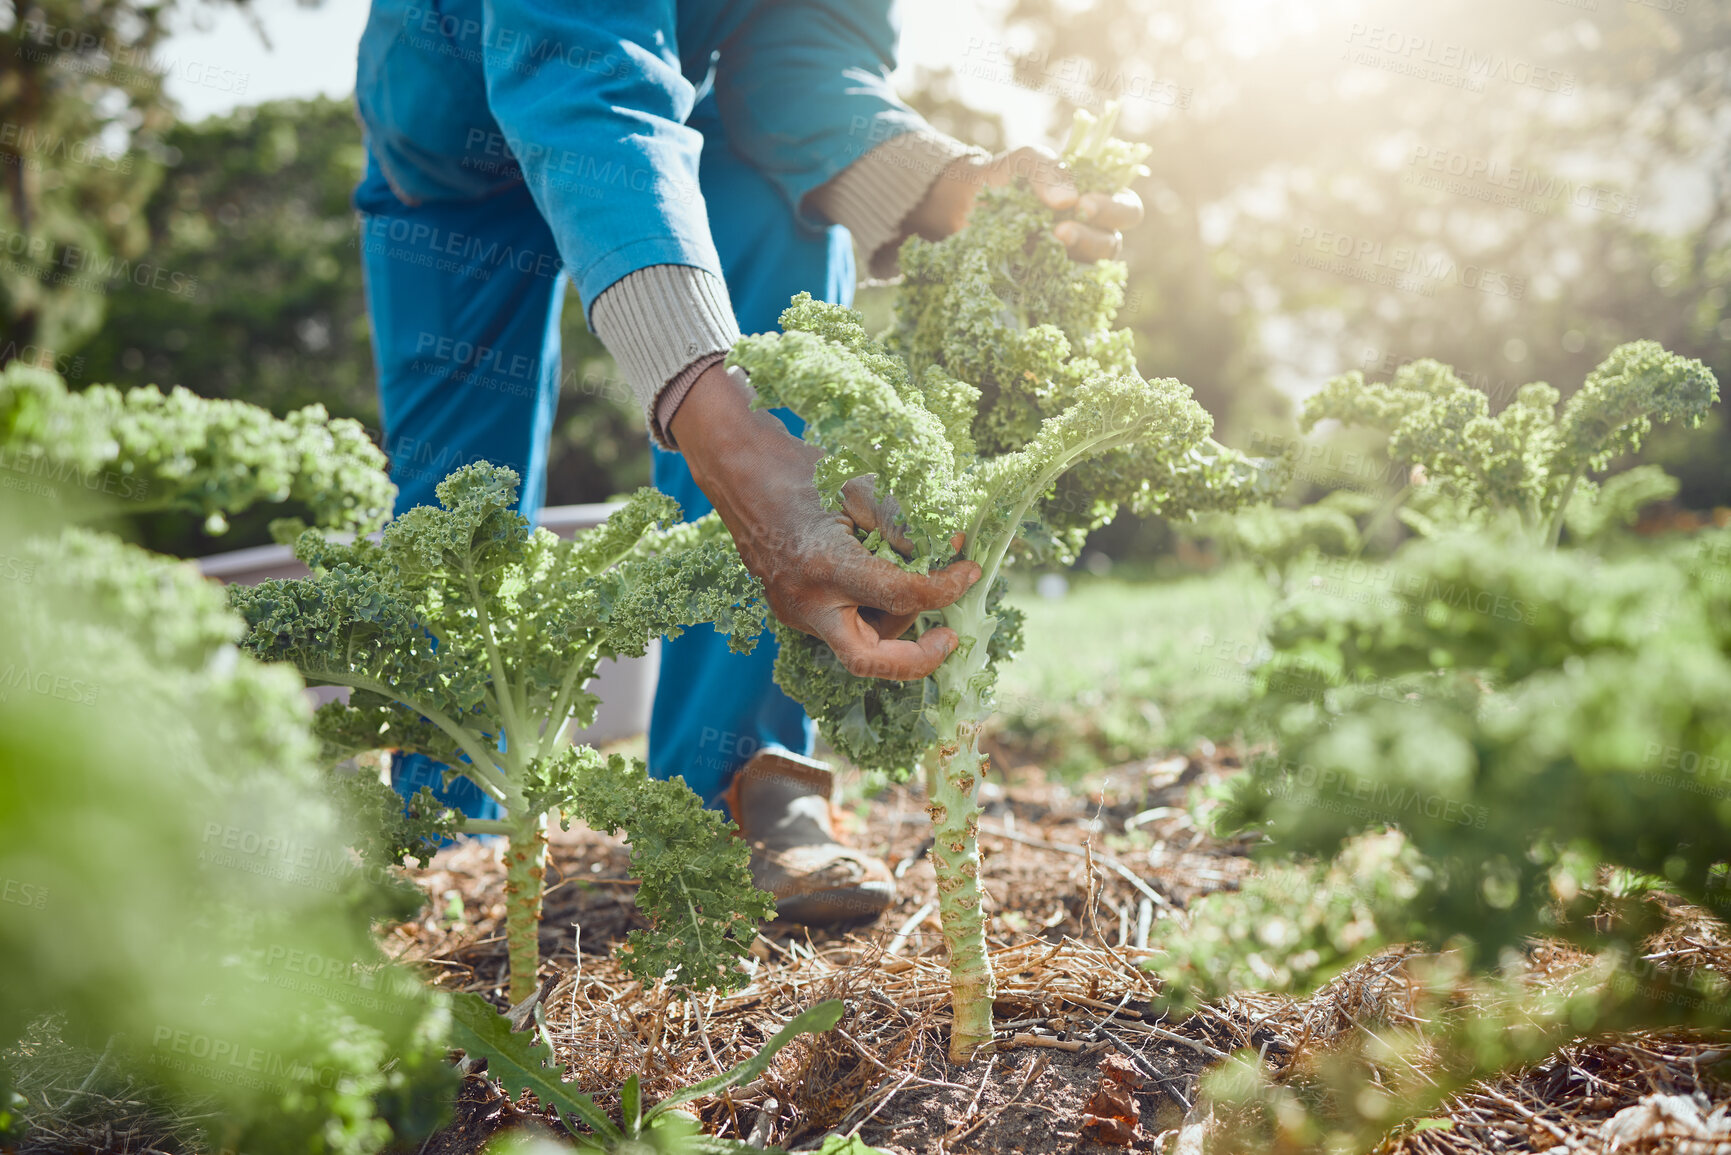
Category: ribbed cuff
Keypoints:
(666, 405)
(874, 195)
(657, 322)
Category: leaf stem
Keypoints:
(487, 774)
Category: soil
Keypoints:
(1078, 880)
(1036, 840)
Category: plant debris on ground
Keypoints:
(1076, 878)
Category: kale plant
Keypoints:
(1545, 731)
(468, 637)
(144, 450)
(1003, 408)
(1530, 462)
(182, 905)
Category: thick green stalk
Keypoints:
(525, 879)
(954, 772)
(1554, 531)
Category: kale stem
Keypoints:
(953, 785)
(525, 880)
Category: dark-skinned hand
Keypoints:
(816, 575)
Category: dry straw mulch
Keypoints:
(1070, 923)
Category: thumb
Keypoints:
(859, 500)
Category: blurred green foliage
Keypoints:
(179, 897)
(1478, 742)
(82, 113)
(1567, 189)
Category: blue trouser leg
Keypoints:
(714, 708)
(467, 350)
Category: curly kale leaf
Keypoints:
(185, 452)
(846, 388)
(1516, 712)
(695, 876)
(1004, 407)
(461, 624)
(874, 723)
(1527, 461)
(1638, 384)
(187, 769)
(466, 636)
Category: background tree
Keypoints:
(1547, 174)
(81, 110)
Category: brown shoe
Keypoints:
(781, 802)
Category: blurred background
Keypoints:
(1511, 186)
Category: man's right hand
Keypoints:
(817, 576)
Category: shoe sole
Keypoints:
(842, 906)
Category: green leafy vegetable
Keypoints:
(1004, 407)
(189, 905)
(467, 637)
(1530, 460)
(1480, 741)
(156, 451)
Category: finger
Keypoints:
(864, 654)
(1051, 179)
(860, 502)
(1120, 210)
(1088, 244)
(888, 626)
(870, 581)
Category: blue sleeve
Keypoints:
(804, 91)
(592, 101)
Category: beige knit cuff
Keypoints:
(874, 195)
(666, 405)
(658, 321)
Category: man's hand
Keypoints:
(817, 576)
(1093, 234)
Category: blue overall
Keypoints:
(515, 143)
